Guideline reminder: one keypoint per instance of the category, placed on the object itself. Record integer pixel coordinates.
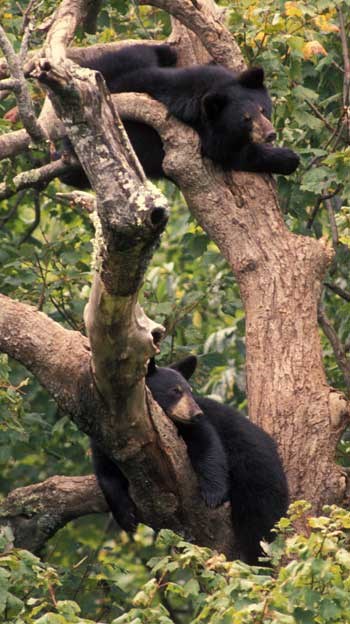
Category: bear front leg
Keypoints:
(151, 80)
(209, 460)
(264, 158)
(114, 486)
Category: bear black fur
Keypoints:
(233, 458)
(230, 111)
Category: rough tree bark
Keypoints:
(279, 275)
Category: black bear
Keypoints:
(230, 111)
(234, 460)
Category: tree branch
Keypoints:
(337, 346)
(21, 90)
(36, 512)
(204, 18)
(34, 178)
(59, 358)
(69, 15)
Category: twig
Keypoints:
(12, 211)
(337, 346)
(319, 114)
(83, 200)
(319, 201)
(25, 44)
(21, 91)
(36, 221)
(344, 294)
(27, 12)
(344, 43)
(44, 282)
(34, 178)
(332, 222)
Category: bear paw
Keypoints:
(289, 161)
(213, 497)
(127, 519)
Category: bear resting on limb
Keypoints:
(233, 459)
(230, 111)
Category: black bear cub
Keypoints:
(230, 111)
(233, 459)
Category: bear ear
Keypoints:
(252, 78)
(213, 103)
(185, 367)
(151, 366)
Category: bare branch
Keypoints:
(87, 201)
(36, 221)
(21, 91)
(338, 291)
(319, 114)
(318, 202)
(69, 15)
(36, 512)
(4, 219)
(332, 222)
(338, 347)
(205, 19)
(346, 58)
(59, 358)
(25, 43)
(34, 178)
(18, 141)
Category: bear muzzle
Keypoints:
(262, 130)
(185, 410)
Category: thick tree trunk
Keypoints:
(280, 278)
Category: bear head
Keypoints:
(170, 389)
(236, 113)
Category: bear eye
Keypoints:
(247, 117)
(177, 390)
(262, 110)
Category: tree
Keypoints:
(279, 274)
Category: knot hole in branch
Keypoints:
(158, 217)
(157, 335)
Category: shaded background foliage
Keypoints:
(45, 247)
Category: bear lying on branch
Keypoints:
(230, 111)
(233, 459)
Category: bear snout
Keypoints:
(185, 410)
(262, 130)
(271, 137)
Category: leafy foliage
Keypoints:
(307, 581)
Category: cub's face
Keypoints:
(236, 114)
(171, 390)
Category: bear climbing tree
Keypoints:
(100, 381)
